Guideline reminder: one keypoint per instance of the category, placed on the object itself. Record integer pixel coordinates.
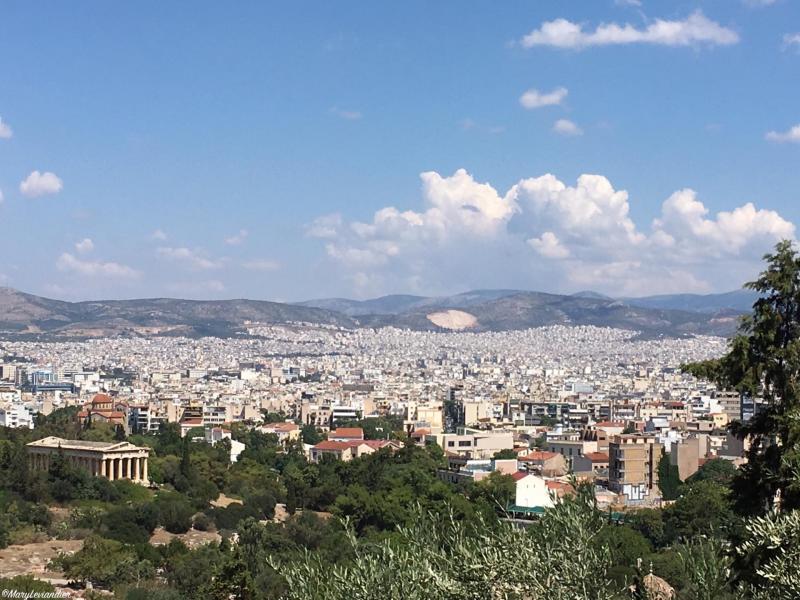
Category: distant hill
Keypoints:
(522, 310)
(33, 317)
(739, 300)
(399, 304)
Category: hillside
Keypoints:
(29, 316)
(535, 309)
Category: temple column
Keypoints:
(144, 471)
(118, 468)
(136, 474)
(102, 468)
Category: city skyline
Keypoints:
(626, 147)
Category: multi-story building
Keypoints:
(473, 443)
(633, 466)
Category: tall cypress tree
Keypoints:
(764, 361)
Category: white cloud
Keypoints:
(535, 99)
(759, 3)
(40, 184)
(262, 264)
(1, 196)
(628, 2)
(567, 127)
(85, 245)
(549, 246)
(695, 30)
(347, 115)
(5, 130)
(326, 226)
(791, 40)
(94, 268)
(543, 233)
(158, 235)
(790, 135)
(193, 258)
(237, 238)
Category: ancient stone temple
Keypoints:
(112, 460)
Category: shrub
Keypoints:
(202, 522)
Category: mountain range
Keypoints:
(33, 317)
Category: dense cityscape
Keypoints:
(416, 300)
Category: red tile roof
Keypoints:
(332, 445)
(559, 486)
(597, 456)
(348, 432)
(520, 475)
(101, 399)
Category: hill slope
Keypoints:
(25, 314)
(29, 316)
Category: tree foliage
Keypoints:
(764, 361)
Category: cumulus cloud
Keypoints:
(85, 245)
(193, 258)
(5, 130)
(790, 135)
(262, 264)
(158, 235)
(696, 29)
(40, 184)
(567, 127)
(535, 99)
(94, 268)
(545, 233)
(237, 238)
(549, 246)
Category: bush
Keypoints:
(175, 513)
(24, 583)
(27, 534)
(230, 516)
(202, 522)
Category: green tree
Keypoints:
(310, 435)
(668, 480)
(718, 470)
(764, 361)
(649, 522)
(104, 562)
(703, 508)
(504, 454)
(497, 489)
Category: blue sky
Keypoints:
(252, 149)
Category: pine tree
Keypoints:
(764, 361)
